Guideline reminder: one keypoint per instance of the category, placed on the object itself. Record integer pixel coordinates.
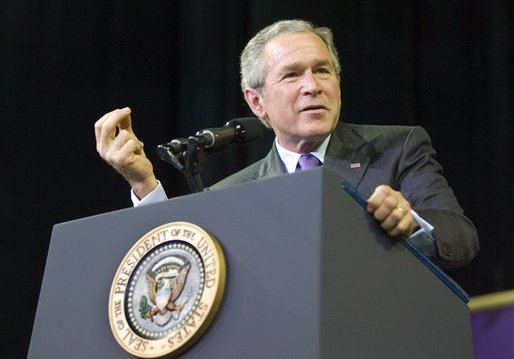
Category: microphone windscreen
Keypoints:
(248, 129)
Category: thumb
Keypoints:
(125, 122)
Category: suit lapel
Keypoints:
(348, 154)
(271, 166)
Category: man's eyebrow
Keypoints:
(295, 65)
(322, 62)
(290, 67)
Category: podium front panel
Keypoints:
(307, 277)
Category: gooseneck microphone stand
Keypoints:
(188, 162)
(187, 155)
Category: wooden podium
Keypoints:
(309, 275)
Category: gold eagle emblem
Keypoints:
(165, 284)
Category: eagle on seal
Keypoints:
(165, 286)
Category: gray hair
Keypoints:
(252, 65)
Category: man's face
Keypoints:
(301, 98)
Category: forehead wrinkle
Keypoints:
(277, 49)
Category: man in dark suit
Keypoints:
(290, 79)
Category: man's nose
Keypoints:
(310, 84)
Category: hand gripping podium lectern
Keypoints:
(308, 276)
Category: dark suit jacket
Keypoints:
(401, 157)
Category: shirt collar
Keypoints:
(291, 158)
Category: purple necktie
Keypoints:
(308, 161)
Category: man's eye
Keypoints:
(323, 70)
(291, 75)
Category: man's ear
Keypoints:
(254, 100)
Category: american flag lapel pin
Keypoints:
(355, 165)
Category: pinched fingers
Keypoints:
(107, 127)
(119, 147)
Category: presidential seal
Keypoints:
(167, 290)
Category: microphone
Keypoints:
(238, 131)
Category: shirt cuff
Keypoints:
(157, 195)
(423, 239)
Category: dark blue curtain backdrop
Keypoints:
(442, 64)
